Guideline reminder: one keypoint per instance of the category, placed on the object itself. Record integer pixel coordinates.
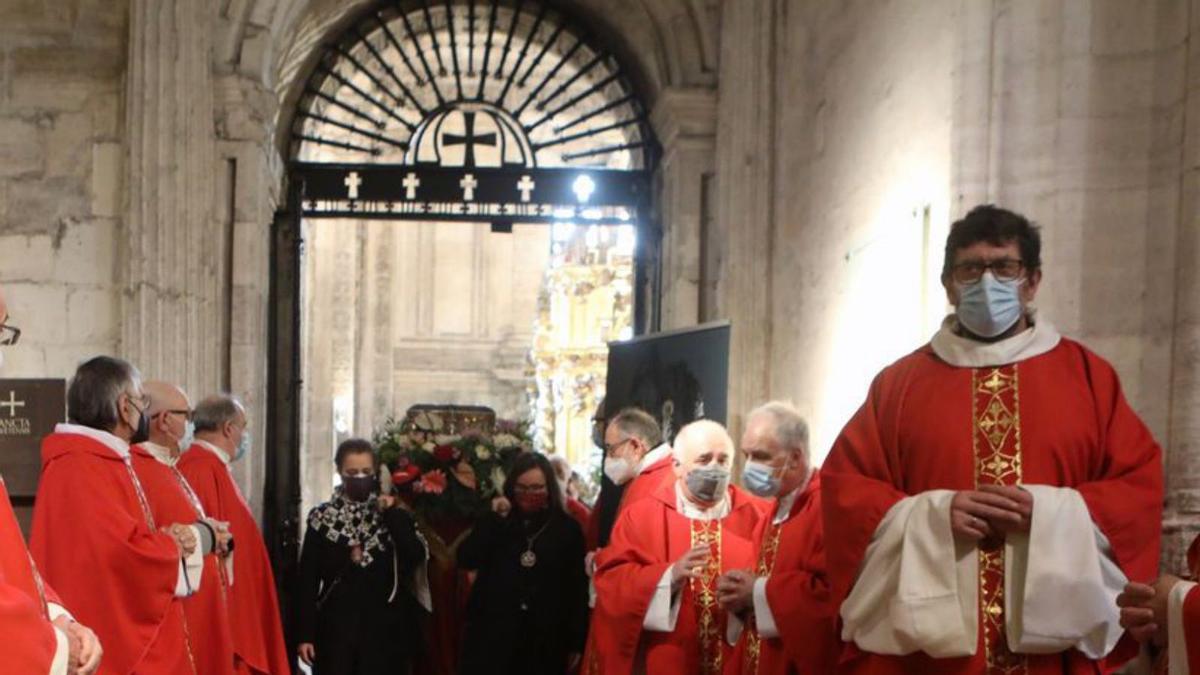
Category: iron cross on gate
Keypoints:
(469, 139)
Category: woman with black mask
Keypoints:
(354, 614)
(527, 612)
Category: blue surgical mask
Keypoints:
(708, 483)
(989, 306)
(761, 480)
(243, 446)
(189, 433)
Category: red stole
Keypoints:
(1056, 419)
(96, 542)
(253, 606)
(650, 535)
(173, 501)
(791, 555)
(24, 621)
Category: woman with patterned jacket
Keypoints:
(353, 610)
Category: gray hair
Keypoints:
(638, 423)
(95, 390)
(215, 411)
(788, 427)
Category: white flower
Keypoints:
(429, 447)
(506, 441)
(446, 439)
(498, 479)
(482, 452)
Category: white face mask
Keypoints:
(618, 470)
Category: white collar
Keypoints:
(652, 457)
(689, 510)
(967, 353)
(160, 452)
(113, 443)
(214, 450)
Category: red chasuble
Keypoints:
(29, 636)
(1056, 419)
(791, 555)
(96, 542)
(1191, 613)
(173, 501)
(254, 610)
(650, 535)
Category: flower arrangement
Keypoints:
(446, 474)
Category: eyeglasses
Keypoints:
(140, 401)
(971, 271)
(609, 449)
(187, 414)
(9, 335)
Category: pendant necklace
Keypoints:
(529, 558)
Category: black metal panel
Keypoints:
(281, 506)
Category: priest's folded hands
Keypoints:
(185, 537)
(991, 512)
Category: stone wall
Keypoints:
(61, 179)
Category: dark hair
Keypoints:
(95, 390)
(998, 227)
(639, 423)
(526, 462)
(355, 446)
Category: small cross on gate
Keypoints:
(525, 187)
(469, 140)
(468, 184)
(352, 182)
(411, 183)
(12, 404)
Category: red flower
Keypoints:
(445, 453)
(433, 482)
(405, 474)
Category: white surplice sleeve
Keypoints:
(663, 612)
(191, 569)
(62, 643)
(1177, 656)
(917, 588)
(1061, 583)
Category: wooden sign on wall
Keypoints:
(29, 409)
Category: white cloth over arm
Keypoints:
(663, 613)
(918, 587)
(1177, 656)
(191, 569)
(1061, 583)
(907, 597)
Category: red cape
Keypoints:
(649, 536)
(798, 594)
(29, 636)
(92, 543)
(915, 433)
(205, 610)
(643, 485)
(254, 609)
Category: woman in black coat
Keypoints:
(354, 614)
(527, 612)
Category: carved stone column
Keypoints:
(685, 121)
(745, 176)
(174, 262)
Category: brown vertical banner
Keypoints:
(29, 409)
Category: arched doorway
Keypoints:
(484, 111)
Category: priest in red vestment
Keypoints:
(95, 538)
(172, 499)
(995, 491)
(221, 438)
(656, 608)
(785, 613)
(41, 636)
(637, 460)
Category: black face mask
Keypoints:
(359, 488)
(142, 433)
